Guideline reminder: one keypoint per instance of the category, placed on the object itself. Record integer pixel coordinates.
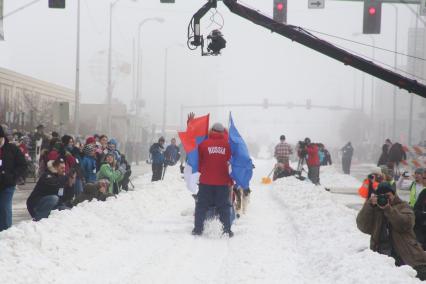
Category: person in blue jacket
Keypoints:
(157, 155)
(88, 163)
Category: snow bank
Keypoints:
(331, 178)
(331, 247)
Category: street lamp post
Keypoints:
(77, 77)
(139, 59)
(109, 71)
(395, 62)
(164, 121)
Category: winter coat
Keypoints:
(347, 152)
(420, 210)
(13, 165)
(213, 156)
(171, 155)
(49, 183)
(327, 160)
(401, 219)
(89, 193)
(100, 157)
(114, 176)
(384, 157)
(313, 156)
(396, 153)
(88, 166)
(157, 153)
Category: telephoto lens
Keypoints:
(382, 200)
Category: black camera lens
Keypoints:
(382, 200)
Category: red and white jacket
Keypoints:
(213, 156)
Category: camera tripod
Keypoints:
(300, 168)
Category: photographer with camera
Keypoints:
(420, 206)
(390, 221)
(311, 151)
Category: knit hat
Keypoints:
(419, 171)
(218, 127)
(88, 149)
(113, 142)
(2, 134)
(90, 140)
(385, 187)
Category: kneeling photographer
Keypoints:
(389, 221)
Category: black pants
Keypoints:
(212, 195)
(157, 172)
(346, 165)
(313, 174)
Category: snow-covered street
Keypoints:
(294, 232)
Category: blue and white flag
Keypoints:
(241, 163)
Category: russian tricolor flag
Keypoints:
(197, 131)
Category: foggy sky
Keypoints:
(256, 64)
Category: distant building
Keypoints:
(26, 102)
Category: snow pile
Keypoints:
(331, 248)
(293, 233)
(331, 178)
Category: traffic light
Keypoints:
(265, 103)
(372, 16)
(167, 1)
(58, 4)
(280, 11)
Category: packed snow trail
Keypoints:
(294, 232)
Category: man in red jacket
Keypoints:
(313, 161)
(213, 156)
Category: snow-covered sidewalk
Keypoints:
(294, 232)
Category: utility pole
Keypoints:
(410, 114)
(109, 86)
(395, 62)
(163, 126)
(77, 78)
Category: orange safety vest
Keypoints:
(363, 190)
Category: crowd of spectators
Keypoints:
(68, 171)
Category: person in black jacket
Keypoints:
(51, 191)
(347, 153)
(157, 154)
(384, 157)
(12, 168)
(420, 213)
(396, 155)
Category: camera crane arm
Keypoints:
(305, 38)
